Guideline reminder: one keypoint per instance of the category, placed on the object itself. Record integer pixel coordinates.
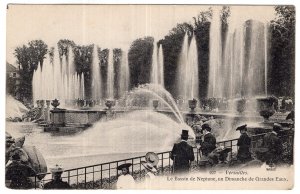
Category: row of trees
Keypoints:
(281, 73)
(281, 64)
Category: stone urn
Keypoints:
(241, 105)
(91, 103)
(192, 104)
(110, 103)
(265, 107)
(55, 103)
(155, 104)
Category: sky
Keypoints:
(108, 26)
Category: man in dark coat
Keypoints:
(244, 143)
(209, 141)
(57, 182)
(274, 145)
(18, 174)
(182, 154)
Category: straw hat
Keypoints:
(152, 158)
(149, 166)
(56, 169)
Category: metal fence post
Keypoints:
(162, 163)
(93, 177)
(101, 183)
(85, 178)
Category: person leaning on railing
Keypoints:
(182, 154)
(244, 144)
(57, 182)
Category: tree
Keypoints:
(282, 52)
(28, 58)
(139, 58)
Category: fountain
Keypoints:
(157, 71)
(240, 68)
(187, 74)
(124, 74)
(96, 76)
(57, 80)
(110, 74)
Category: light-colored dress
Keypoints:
(125, 182)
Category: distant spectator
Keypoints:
(57, 182)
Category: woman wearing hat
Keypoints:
(57, 182)
(125, 180)
(209, 140)
(151, 170)
(150, 165)
(244, 144)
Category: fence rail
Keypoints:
(104, 175)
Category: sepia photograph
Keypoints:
(148, 96)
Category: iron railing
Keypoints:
(104, 175)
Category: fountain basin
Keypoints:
(65, 120)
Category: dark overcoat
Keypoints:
(208, 144)
(244, 143)
(182, 154)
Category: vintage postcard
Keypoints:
(150, 97)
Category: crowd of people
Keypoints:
(21, 175)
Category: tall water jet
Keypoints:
(124, 74)
(56, 79)
(187, 74)
(254, 58)
(82, 89)
(242, 71)
(161, 66)
(192, 77)
(96, 76)
(110, 74)
(157, 76)
(266, 33)
(215, 56)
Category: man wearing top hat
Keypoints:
(209, 141)
(57, 182)
(182, 154)
(244, 143)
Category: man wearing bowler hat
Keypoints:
(244, 143)
(182, 154)
(209, 141)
